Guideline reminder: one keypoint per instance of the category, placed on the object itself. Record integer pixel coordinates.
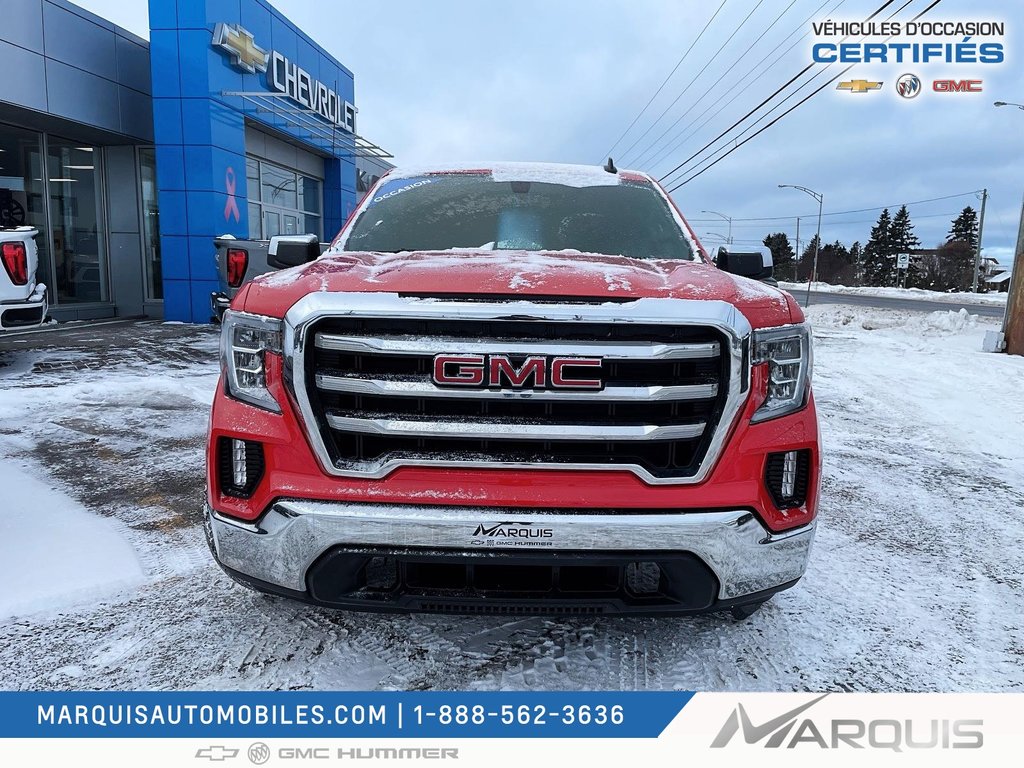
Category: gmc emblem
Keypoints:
(498, 371)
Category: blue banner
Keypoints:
(180, 714)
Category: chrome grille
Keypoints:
(363, 380)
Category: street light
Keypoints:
(817, 240)
(1008, 104)
(728, 240)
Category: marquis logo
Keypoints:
(789, 731)
(777, 728)
(512, 533)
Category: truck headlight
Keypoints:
(787, 351)
(244, 343)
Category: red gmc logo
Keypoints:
(535, 372)
(957, 86)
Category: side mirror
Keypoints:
(756, 264)
(292, 250)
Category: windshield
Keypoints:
(439, 212)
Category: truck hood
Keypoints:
(520, 274)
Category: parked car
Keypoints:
(239, 261)
(515, 388)
(23, 301)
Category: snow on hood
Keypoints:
(549, 173)
(569, 274)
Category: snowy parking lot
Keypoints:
(915, 582)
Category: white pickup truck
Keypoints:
(22, 300)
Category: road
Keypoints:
(891, 302)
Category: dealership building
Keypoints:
(129, 156)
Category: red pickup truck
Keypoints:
(516, 388)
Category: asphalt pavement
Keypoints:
(890, 302)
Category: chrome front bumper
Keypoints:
(279, 549)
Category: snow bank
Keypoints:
(53, 551)
(900, 293)
(950, 322)
(916, 324)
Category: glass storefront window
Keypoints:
(75, 198)
(309, 195)
(278, 186)
(281, 201)
(22, 197)
(254, 221)
(150, 224)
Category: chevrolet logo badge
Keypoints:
(859, 86)
(238, 42)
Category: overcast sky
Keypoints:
(560, 81)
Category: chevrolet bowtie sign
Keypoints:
(859, 86)
(283, 76)
(239, 44)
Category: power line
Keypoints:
(733, 143)
(777, 91)
(695, 78)
(854, 210)
(689, 109)
(813, 215)
(665, 82)
(681, 139)
(802, 101)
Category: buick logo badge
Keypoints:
(908, 86)
(258, 753)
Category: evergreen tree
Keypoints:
(857, 262)
(901, 233)
(879, 254)
(834, 265)
(963, 234)
(904, 241)
(782, 255)
(965, 228)
(807, 259)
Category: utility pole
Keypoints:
(977, 250)
(817, 238)
(1013, 320)
(799, 256)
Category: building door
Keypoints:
(282, 201)
(79, 258)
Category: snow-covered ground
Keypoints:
(900, 293)
(914, 584)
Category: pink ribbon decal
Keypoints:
(231, 206)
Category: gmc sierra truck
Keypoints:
(515, 388)
(22, 300)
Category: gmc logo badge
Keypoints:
(957, 86)
(534, 372)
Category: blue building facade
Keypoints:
(218, 67)
(130, 155)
